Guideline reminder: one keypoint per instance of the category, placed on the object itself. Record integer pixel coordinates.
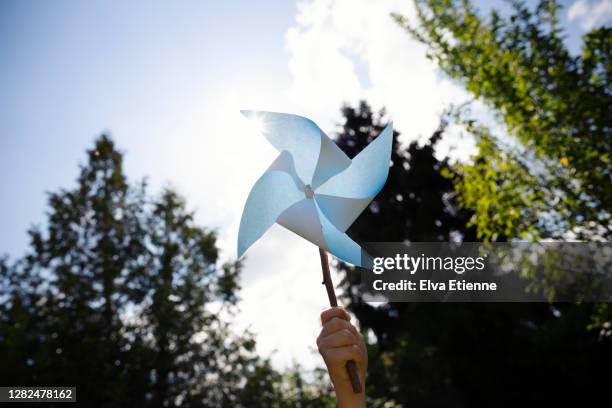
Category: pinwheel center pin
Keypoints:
(308, 191)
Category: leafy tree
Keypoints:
(441, 354)
(122, 296)
(552, 173)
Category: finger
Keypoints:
(342, 354)
(334, 312)
(340, 338)
(336, 324)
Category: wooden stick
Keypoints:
(351, 366)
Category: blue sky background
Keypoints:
(73, 69)
(167, 79)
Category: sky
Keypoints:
(167, 80)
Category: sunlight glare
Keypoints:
(257, 124)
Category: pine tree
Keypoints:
(121, 294)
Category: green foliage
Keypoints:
(497, 186)
(557, 106)
(266, 388)
(552, 176)
(602, 321)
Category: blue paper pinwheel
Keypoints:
(313, 188)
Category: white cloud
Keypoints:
(283, 299)
(590, 14)
(333, 39)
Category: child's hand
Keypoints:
(338, 343)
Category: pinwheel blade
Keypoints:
(343, 211)
(307, 220)
(284, 163)
(338, 243)
(368, 170)
(302, 218)
(272, 194)
(344, 196)
(299, 136)
(332, 161)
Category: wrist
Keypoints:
(347, 398)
